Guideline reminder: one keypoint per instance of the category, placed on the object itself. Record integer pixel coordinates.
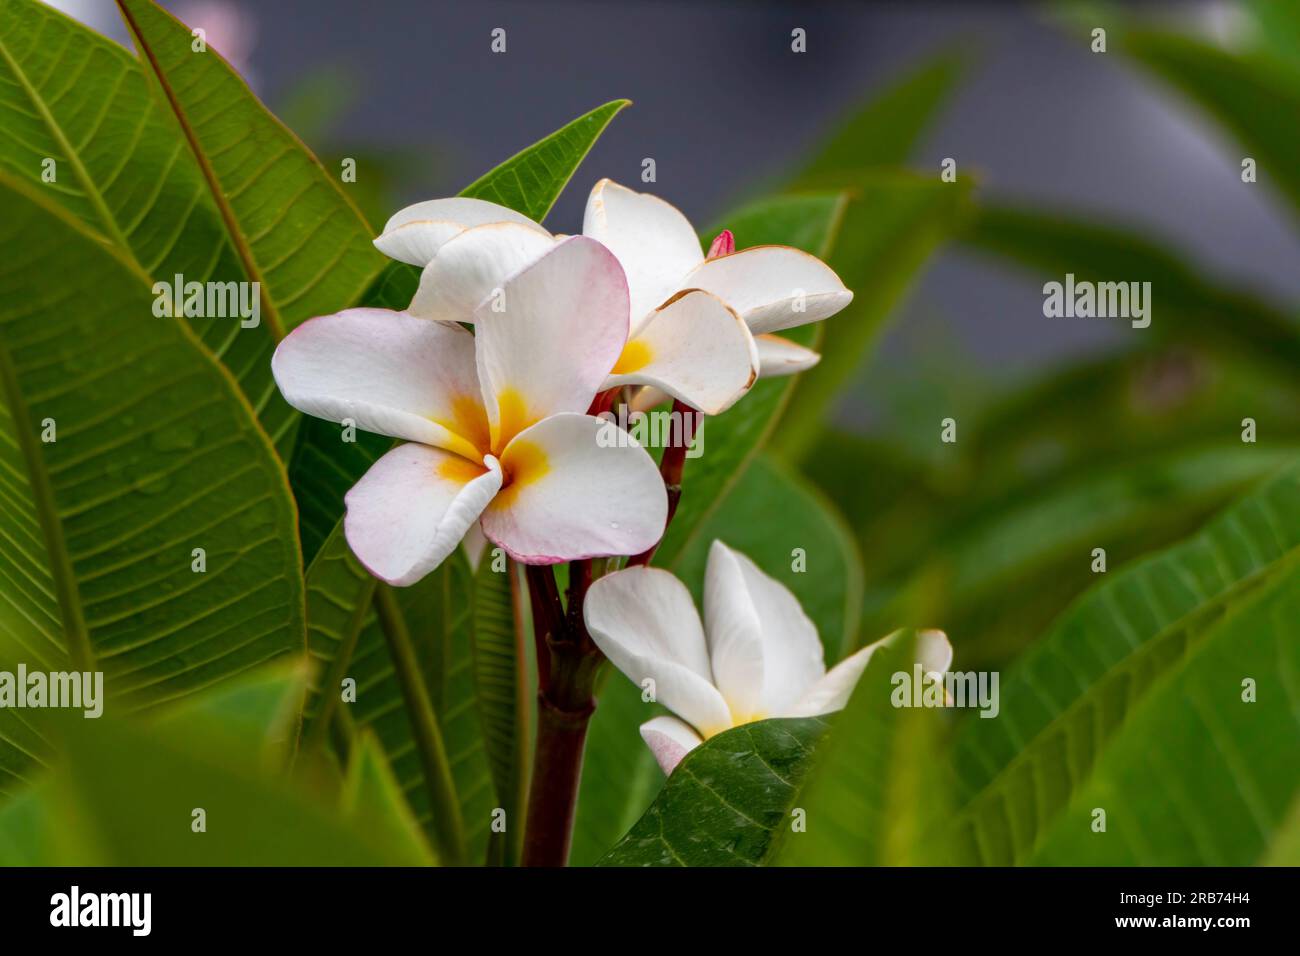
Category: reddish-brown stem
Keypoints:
(567, 664)
(671, 466)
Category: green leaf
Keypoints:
(156, 455)
(347, 639)
(875, 792)
(373, 799)
(885, 130)
(501, 638)
(724, 802)
(530, 181)
(1198, 776)
(1250, 95)
(892, 225)
(1064, 701)
(290, 222)
(80, 100)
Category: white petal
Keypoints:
(411, 509)
(833, 691)
(754, 618)
(472, 265)
(644, 621)
(415, 233)
(652, 239)
(773, 287)
(388, 373)
(473, 545)
(548, 347)
(576, 487)
(648, 398)
(778, 356)
(669, 739)
(696, 349)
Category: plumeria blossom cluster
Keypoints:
(489, 374)
(756, 654)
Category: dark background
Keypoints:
(721, 102)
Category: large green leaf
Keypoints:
(724, 802)
(1063, 703)
(292, 225)
(1198, 776)
(156, 455)
(77, 99)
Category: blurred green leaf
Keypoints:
(1192, 308)
(121, 167)
(373, 800)
(885, 130)
(290, 222)
(1251, 96)
(893, 225)
(156, 455)
(1197, 776)
(1068, 695)
(875, 793)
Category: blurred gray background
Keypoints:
(721, 103)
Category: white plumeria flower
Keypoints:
(496, 421)
(699, 329)
(757, 655)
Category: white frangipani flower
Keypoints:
(496, 420)
(757, 655)
(698, 327)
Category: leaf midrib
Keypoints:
(65, 582)
(92, 192)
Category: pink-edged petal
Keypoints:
(778, 356)
(669, 739)
(472, 265)
(694, 348)
(764, 649)
(644, 621)
(773, 287)
(560, 328)
(652, 239)
(833, 691)
(415, 234)
(411, 509)
(576, 487)
(388, 373)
